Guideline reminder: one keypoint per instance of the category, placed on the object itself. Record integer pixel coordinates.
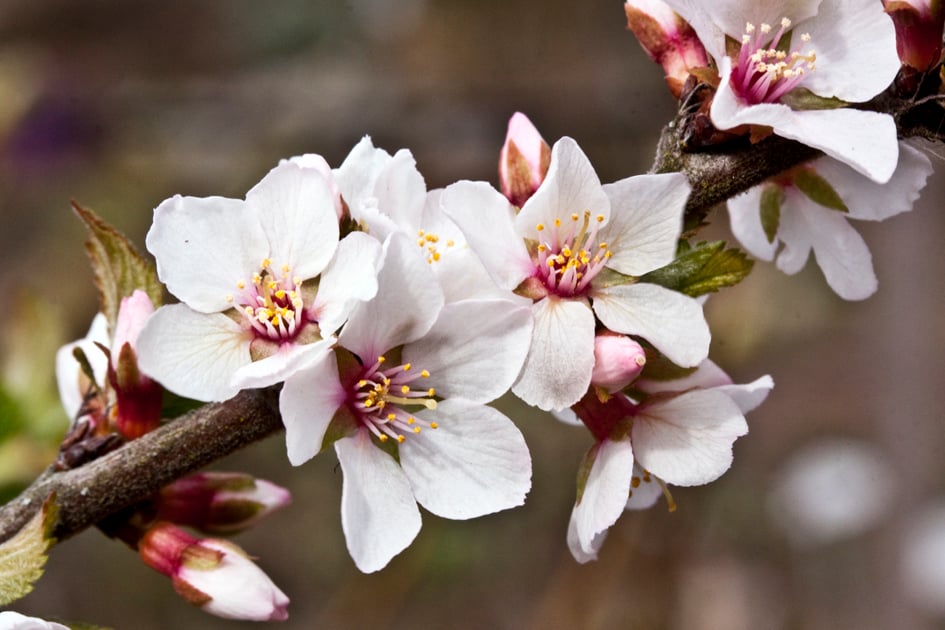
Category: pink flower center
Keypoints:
(271, 303)
(570, 256)
(765, 69)
(382, 399)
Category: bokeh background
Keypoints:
(831, 516)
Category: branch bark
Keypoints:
(129, 475)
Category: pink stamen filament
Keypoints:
(765, 74)
(571, 257)
(379, 395)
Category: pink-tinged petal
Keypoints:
(475, 349)
(349, 279)
(864, 140)
(687, 440)
(193, 354)
(379, 515)
(855, 42)
(646, 221)
(308, 400)
(486, 220)
(297, 212)
(68, 370)
(567, 416)
(358, 173)
(571, 186)
(750, 395)
(132, 314)
(557, 371)
(577, 548)
(644, 495)
(318, 163)
(523, 160)
(400, 190)
(876, 202)
(204, 247)
(841, 252)
(406, 305)
(744, 213)
(288, 359)
(605, 492)
(671, 321)
(475, 463)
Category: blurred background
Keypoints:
(832, 515)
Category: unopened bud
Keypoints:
(618, 361)
(523, 161)
(667, 39)
(138, 398)
(220, 502)
(213, 574)
(919, 25)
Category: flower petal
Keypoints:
(349, 279)
(647, 493)
(308, 400)
(671, 321)
(475, 463)
(646, 221)
(558, 368)
(744, 213)
(68, 370)
(193, 354)
(687, 440)
(297, 211)
(289, 358)
(605, 492)
(475, 349)
(577, 548)
(204, 247)
(379, 515)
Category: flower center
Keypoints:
(382, 399)
(570, 256)
(271, 303)
(430, 244)
(764, 72)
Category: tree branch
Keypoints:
(131, 474)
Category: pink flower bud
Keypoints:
(667, 39)
(523, 161)
(220, 502)
(618, 360)
(919, 25)
(138, 398)
(213, 574)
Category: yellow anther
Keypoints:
(420, 242)
(240, 285)
(600, 218)
(401, 438)
(280, 294)
(229, 299)
(450, 243)
(391, 417)
(431, 392)
(635, 481)
(407, 367)
(362, 383)
(436, 255)
(425, 374)
(785, 23)
(368, 403)
(540, 227)
(285, 268)
(575, 216)
(381, 359)
(416, 429)
(257, 279)
(266, 262)
(765, 28)
(434, 425)
(382, 437)
(411, 420)
(557, 222)
(404, 389)
(248, 310)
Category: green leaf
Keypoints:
(771, 198)
(117, 266)
(706, 268)
(818, 190)
(802, 98)
(23, 556)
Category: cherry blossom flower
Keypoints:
(821, 225)
(402, 399)
(215, 575)
(832, 50)
(554, 251)
(681, 434)
(248, 318)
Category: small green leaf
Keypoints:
(771, 198)
(818, 190)
(802, 98)
(659, 368)
(23, 556)
(117, 266)
(704, 269)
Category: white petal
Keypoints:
(567, 416)
(575, 546)
(557, 371)
(406, 305)
(379, 515)
(793, 232)
(864, 140)
(205, 246)
(485, 218)
(400, 191)
(475, 463)
(671, 321)
(570, 186)
(855, 42)
(646, 221)
(297, 211)
(475, 349)
(289, 358)
(358, 173)
(308, 400)
(744, 212)
(687, 440)
(605, 492)
(875, 202)
(750, 395)
(706, 375)
(68, 370)
(349, 279)
(646, 494)
(193, 354)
